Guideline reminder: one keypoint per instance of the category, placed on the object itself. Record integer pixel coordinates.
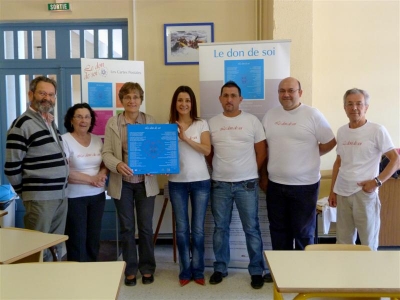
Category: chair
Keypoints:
(337, 247)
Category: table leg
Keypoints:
(277, 295)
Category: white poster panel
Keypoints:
(257, 67)
(101, 82)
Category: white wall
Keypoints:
(357, 44)
(338, 45)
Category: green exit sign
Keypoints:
(58, 6)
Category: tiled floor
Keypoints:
(166, 285)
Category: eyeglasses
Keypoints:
(44, 94)
(80, 118)
(289, 91)
(129, 98)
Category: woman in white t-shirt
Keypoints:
(86, 182)
(193, 181)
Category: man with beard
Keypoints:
(35, 162)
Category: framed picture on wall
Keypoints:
(181, 42)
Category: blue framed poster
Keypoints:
(153, 148)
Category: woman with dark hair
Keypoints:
(193, 181)
(131, 191)
(86, 184)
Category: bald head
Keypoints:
(289, 93)
(292, 80)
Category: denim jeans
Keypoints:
(199, 192)
(84, 227)
(133, 195)
(291, 214)
(245, 196)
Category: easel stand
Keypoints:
(160, 219)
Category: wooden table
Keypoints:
(61, 280)
(19, 245)
(335, 273)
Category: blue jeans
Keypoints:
(291, 214)
(133, 195)
(84, 227)
(199, 192)
(245, 195)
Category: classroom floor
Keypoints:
(166, 286)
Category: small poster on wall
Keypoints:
(101, 81)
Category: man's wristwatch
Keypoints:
(378, 182)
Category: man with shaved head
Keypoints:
(297, 135)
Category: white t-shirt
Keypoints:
(85, 160)
(292, 138)
(193, 165)
(233, 140)
(360, 152)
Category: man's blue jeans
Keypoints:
(199, 192)
(245, 196)
(291, 214)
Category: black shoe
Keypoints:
(130, 282)
(268, 278)
(216, 277)
(257, 281)
(148, 280)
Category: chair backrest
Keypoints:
(338, 247)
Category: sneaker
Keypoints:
(216, 277)
(268, 278)
(257, 281)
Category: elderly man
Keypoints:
(297, 135)
(355, 175)
(239, 150)
(35, 162)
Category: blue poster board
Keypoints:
(100, 94)
(249, 75)
(153, 148)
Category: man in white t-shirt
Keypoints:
(297, 135)
(355, 175)
(239, 150)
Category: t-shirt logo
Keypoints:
(351, 143)
(283, 123)
(231, 128)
